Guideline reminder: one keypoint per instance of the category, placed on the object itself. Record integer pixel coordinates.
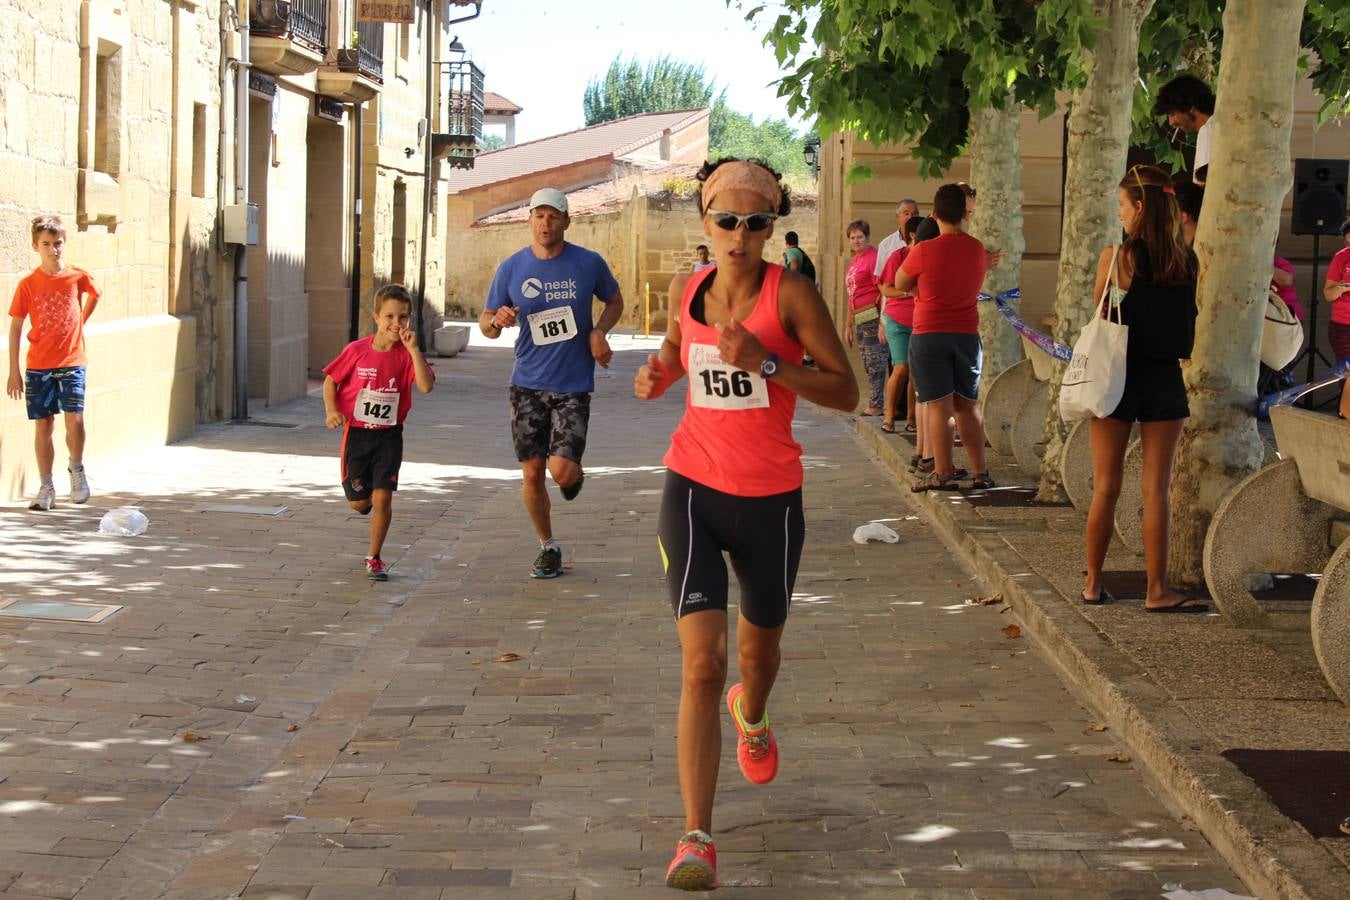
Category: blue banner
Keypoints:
(1044, 341)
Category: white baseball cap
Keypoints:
(549, 197)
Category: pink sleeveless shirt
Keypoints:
(736, 434)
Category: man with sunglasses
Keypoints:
(548, 287)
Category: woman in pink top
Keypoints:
(864, 313)
(734, 480)
(1337, 291)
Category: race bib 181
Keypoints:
(714, 384)
(552, 325)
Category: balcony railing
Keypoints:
(370, 48)
(462, 87)
(305, 21)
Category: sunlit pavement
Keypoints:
(261, 721)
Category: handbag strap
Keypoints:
(1106, 289)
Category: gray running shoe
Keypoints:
(548, 564)
(79, 486)
(45, 499)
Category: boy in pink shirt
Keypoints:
(368, 392)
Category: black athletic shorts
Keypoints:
(762, 535)
(549, 423)
(371, 458)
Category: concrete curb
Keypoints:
(1274, 855)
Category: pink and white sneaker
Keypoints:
(694, 867)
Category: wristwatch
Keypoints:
(769, 367)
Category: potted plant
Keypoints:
(349, 58)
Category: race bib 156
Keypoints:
(714, 384)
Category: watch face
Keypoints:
(768, 368)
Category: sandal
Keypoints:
(982, 481)
(914, 462)
(911, 428)
(935, 482)
(1103, 597)
(924, 465)
(888, 427)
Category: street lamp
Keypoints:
(811, 153)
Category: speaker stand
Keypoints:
(1311, 351)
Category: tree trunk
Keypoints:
(1099, 140)
(1235, 241)
(996, 171)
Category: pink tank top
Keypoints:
(736, 434)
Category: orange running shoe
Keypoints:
(694, 867)
(756, 751)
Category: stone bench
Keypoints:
(1291, 516)
(1015, 407)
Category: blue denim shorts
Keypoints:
(50, 391)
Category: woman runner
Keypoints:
(734, 480)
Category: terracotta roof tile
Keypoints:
(607, 139)
(496, 103)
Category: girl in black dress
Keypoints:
(1153, 281)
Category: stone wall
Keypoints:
(87, 131)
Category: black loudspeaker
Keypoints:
(1319, 196)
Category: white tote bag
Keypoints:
(1095, 379)
(1281, 333)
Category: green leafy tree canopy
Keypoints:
(628, 88)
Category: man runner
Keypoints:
(548, 287)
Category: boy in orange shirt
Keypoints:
(57, 300)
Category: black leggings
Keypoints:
(763, 535)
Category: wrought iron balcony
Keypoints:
(461, 114)
(304, 21)
(371, 47)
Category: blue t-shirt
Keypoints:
(553, 300)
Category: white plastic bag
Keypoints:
(125, 521)
(1095, 379)
(874, 531)
(1281, 333)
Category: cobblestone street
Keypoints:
(261, 721)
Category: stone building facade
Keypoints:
(120, 116)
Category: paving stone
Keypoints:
(422, 767)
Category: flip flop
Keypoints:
(1181, 606)
(1103, 597)
(888, 427)
(910, 428)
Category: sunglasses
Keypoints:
(729, 221)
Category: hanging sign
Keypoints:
(400, 12)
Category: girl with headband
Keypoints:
(1153, 281)
(734, 480)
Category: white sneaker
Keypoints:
(45, 499)
(79, 486)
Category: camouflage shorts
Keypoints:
(547, 423)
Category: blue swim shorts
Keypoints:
(50, 391)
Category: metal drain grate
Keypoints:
(60, 610)
(245, 510)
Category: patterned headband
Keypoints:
(742, 176)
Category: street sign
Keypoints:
(397, 11)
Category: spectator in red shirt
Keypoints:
(945, 354)
(1337, 292)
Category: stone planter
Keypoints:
(448, 340)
